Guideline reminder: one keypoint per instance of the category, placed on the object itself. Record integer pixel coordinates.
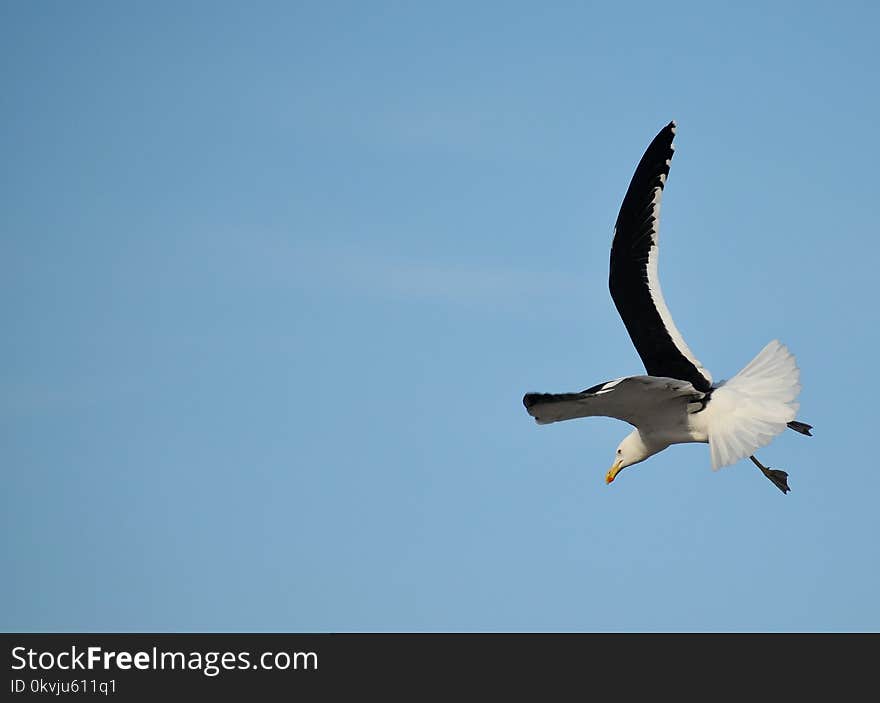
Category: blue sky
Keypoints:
(276, 277)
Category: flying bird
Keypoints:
(677, 401)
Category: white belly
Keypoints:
(677, 428)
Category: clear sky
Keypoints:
(275, 277)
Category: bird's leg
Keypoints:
(779, 478)
(801, 427)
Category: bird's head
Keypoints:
(631, 450)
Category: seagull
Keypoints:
(677, 401)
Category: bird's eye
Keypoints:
(618, 451)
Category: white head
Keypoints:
(632, 450)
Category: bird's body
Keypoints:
(678, 402)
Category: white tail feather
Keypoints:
(754, 406)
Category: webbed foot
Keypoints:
(801, 427)
(777, 476)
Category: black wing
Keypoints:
(634, 281)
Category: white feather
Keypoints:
(750, 409)
(649, 402)
(660, 302)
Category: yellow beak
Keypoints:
(613, 471)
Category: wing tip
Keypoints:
(672, 127)
(529, 401)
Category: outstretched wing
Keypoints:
(637, 400)
(634, 279)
